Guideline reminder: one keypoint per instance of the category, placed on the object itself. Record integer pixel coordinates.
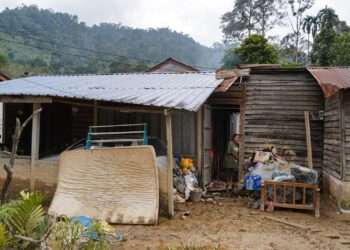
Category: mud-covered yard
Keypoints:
(230, 224)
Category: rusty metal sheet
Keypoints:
(119, 185)
(226, 84)
(331, 79)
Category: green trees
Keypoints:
(3, 60)
(310, 25)
(340, 50)
(255, 49)
(331, 45)
(298, 8)
(251, 16)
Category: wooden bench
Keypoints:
(293, 203)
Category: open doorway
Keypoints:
(225, 123)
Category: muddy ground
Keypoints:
(232, 225)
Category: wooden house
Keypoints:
(335, 83)
(265, 104)
(171, 65)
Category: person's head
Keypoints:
(236, 138)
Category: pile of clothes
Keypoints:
(267, 165)
(186, 179)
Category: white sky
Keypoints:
(198, 18)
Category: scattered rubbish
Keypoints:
(253, 182)
(85, 221)
(304, 175)
(268, 167)
(108, 229)
(261, 156)
(185, 215)
(186, 181)
(209, 200)
(178, 198)
(196, 194)
(119, 236)
(270, 206)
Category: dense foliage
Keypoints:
(153, 45)
(331, 44)
(254, 49)
(341, 50)
(25, 225)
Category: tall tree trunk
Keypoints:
(308, 48)
(297, 41)
(15, 141)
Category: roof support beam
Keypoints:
(25, 99)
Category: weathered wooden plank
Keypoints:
(275, 112)
(333, 124)
(281, 108)
(225, 101)
(284, 98)
(305, 103)
(284, 93)
(282, 83)
(332, 136)
(332, 131)
(279, 87)
(332, 142)
(235, 94)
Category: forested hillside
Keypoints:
(42, 41)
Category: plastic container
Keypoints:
(196, 195)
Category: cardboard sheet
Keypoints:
(119, 185)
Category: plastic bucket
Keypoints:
(196, 195)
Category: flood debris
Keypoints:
(282, 179)
(187, 182)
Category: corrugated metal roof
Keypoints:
(331, 79)
(173, 90)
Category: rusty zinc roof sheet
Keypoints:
(186, 91)
(331, 79)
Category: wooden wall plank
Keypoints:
(274, 115)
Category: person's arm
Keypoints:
(231, 150)
(236, 155)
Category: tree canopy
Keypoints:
(255, 49)
(331, 42)
(251, 16)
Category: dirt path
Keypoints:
(234, 226)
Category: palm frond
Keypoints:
(4, 239)
(28, 215)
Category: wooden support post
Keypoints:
(35, 145)
(170, 160)
(95, 113)
(308, 139)
(263, 197)
(242, 141)
(3, 132)
(199, 144)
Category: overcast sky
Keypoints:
(198, 18)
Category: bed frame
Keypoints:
(313, 205)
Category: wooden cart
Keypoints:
(292, 203)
